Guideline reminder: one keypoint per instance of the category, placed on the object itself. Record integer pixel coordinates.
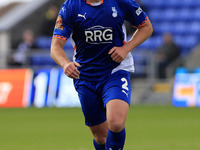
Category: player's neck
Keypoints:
(94, 1)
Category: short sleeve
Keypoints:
(63, 27)
(134, 14)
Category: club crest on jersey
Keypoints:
(114, 14)
(99, 35)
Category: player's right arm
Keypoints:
(62, 31)
(59, 56)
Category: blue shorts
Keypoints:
(94, 95)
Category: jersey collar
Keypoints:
(91, 4)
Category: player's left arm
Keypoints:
(118, 54)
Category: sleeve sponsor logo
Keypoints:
(138, 11)
(59, 23)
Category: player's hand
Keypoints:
(118, 54)
(70, 69)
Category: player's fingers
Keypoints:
(76, 70)
(67, 71)
(72, 73)
(73, 76)
(114, 57)
(112, 50)
(114, 54)
(73, 68)
(77, 64)
(117, 59)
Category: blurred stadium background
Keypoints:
(29, 77)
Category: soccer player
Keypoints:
(102, 61)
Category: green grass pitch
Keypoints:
(148, 128)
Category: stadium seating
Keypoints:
(43, 57)
(44, 42)
(181, 18)
(39, 59)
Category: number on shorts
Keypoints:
(125, 85)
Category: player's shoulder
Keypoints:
(126, 2)
(71, 3)
(71, 6)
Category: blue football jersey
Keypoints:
(94, 30)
